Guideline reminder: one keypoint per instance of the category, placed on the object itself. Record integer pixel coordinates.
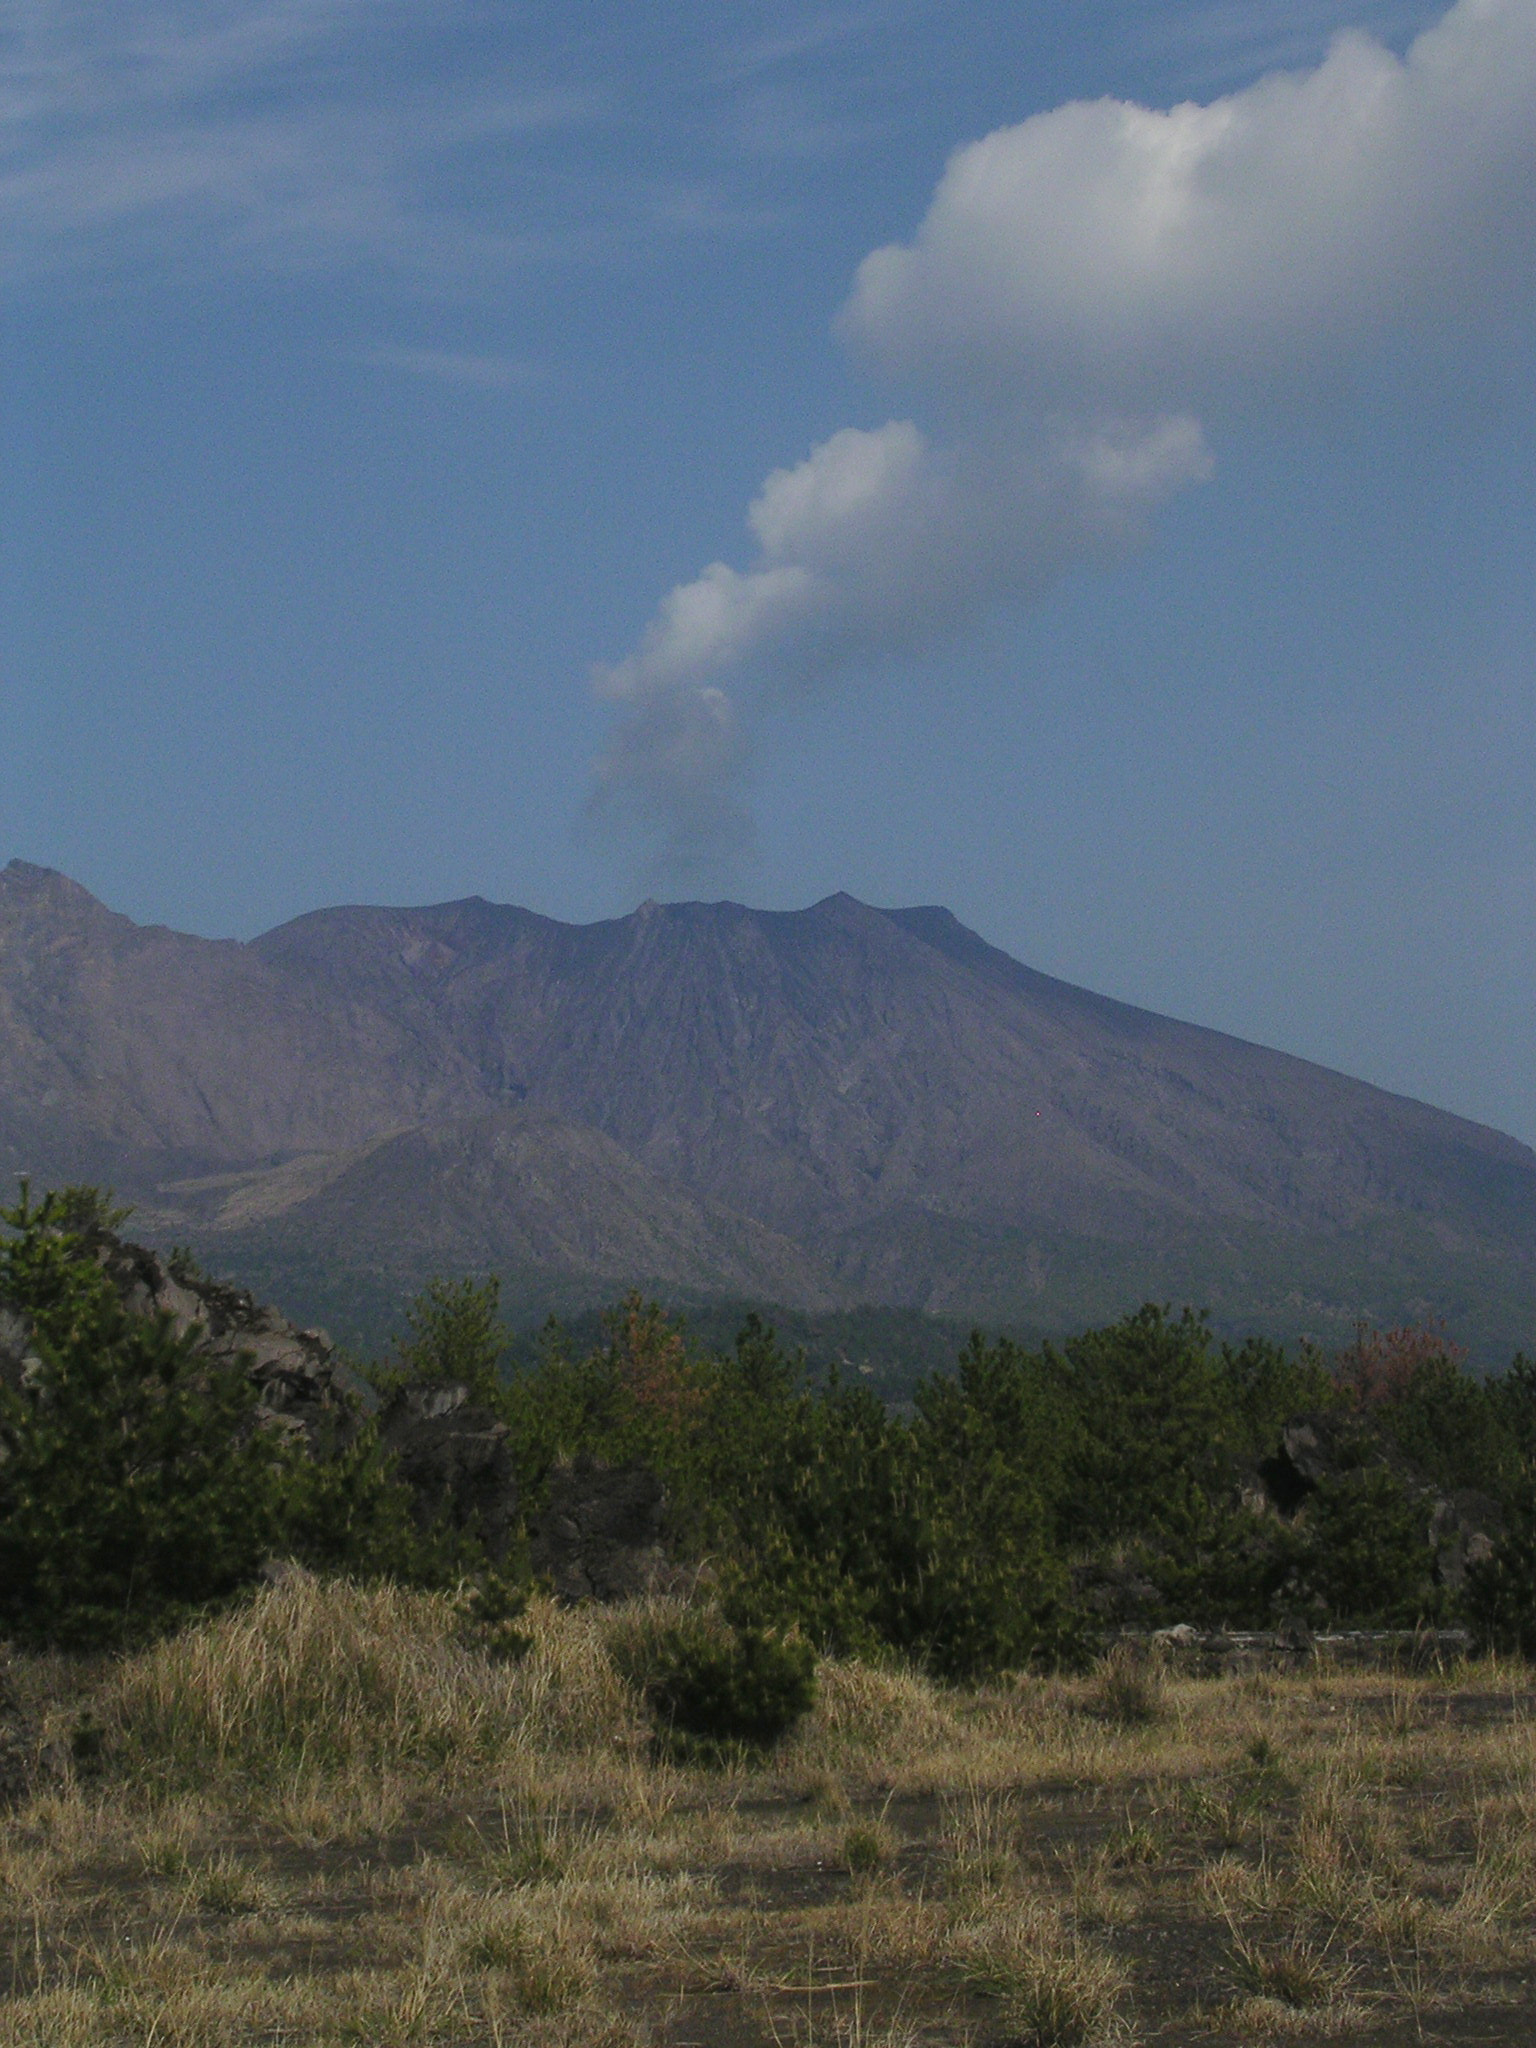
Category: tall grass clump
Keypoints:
(1055, 1989)
(867, 1713)
(981, 1840)
(1129, 1687)
(327, 1676)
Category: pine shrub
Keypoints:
(712, 1686)
(136, 1488)
(1501, 1589)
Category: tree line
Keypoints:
(971, 1534)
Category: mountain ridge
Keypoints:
(820, 1106)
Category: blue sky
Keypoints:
(1074, 464)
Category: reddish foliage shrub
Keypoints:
(1381, 1365)
(650, 1359)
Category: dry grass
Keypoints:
(1055, 1987)
(327, 1819)
(979, 1841)
(325, 1680)
(1129, 1685)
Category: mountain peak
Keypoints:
(30, 887)
(910, 1113)
(26, 874)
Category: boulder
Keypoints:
(303, 1388)
(1226, 1653)
(599, 1535)
(1113, 1594)
(1463, 1528)
(1312, 1448)
(17, 1358)
(457, 1460)
(302, 1384)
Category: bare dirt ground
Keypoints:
(330, 1819)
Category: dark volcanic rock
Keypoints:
(453, 1455)
(1312, 1448)
(599, 1536)
(301, 1383)
(456, 1459)
(1226, 1653)
(1463, 1529)
(16, 1354)
(1324, 1446)
(1113, 1594)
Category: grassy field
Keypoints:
(326, 1818)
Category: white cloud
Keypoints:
(879, 540)
(1083, 287)
(1106, 251)
(873, 546)
(1214, 47)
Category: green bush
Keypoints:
(136, 1487)
(1501, 1590)
(492, 1609)
(350, 1515)
(712, 1686)
(137, 1484)
(456, 1335)
(1364, 1555)
(1153, 1416)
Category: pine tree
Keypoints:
(136, 1485)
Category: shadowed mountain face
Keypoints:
(817, 1107)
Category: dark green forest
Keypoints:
(1028, 1500)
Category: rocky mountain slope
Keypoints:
(817, 1107)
